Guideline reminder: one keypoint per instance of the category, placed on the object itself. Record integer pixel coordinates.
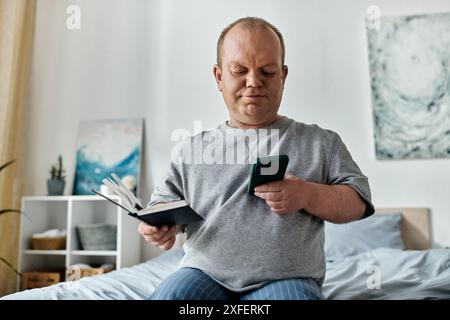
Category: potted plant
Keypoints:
(57, 181)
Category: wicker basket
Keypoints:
(31, 280)
(53, 243)
(94, 271)
(74, 273)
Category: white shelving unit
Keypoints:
(67, 212)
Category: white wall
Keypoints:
(153, 59)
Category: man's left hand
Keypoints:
(285, 196)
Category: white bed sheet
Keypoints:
(137, 282)
(403, 275)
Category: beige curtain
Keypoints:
(16, 35)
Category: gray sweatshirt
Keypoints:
(241, 243)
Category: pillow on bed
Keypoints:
(377, 231)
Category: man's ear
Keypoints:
(218, 75)
(285, 73)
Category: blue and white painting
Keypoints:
(105, 147)
(410, 70)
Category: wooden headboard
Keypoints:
(415, 226)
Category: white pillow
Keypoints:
(377, 231)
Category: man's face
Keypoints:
(251, 76)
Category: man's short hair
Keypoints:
(249, 22)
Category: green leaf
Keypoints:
(10, 266)
(14, 210)
(7, 164)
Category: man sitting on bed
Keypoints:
(270, 246)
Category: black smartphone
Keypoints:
(267, 169)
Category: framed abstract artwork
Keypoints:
(409, 58)
(105, 147)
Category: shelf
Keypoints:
(67, 213)
(46, 252)
(94, 252)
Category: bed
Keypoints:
(369, 269)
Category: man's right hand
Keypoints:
(163, 237)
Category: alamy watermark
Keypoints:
(374, 280)
(228, 146)
(73, 21)
(373, 17)
(73, 273)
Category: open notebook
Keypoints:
(159, 214)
